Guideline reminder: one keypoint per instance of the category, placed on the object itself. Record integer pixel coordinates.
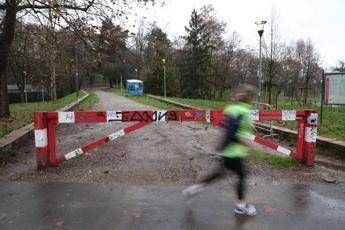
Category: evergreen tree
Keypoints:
(157, 49)
(198, 58)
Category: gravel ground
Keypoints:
(159, 154)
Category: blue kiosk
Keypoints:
(135, 87)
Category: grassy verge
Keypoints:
(88, 103)
(273, 160)
(21, 114)
(147, 101)
(333, 124)
(205, 104)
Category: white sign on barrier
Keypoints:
(66, 117)
(254, 115)
(288, 115)
(160, 115)
(114, 116)
(41, 139)
(116, 135)
(208, 116)
(312, 118)
(310, 134)
(74, 153)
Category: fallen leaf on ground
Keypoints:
(136, 215)
(269, 208)
(329, 179)
(59, 223)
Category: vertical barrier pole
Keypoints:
(300, 139)
(41, 140)
(52, 159)
(310, 138)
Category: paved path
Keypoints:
(88, 206)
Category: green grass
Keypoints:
(88, 103)
(333, 124)
(21, 113)
(273, 160)
(147, 100)
(205, 104)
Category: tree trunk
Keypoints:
(306, 89)
(306, 84)
(6, 38)
(90, 76)
(111, 83)
(53, 83)
(19, 81)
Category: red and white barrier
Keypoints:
(271, 145)
(45, 129)
(164, 115)
(101, 141)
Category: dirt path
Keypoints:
(159, 154)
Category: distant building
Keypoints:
(135, 87)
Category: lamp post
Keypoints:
(76, 71)
(25, 90)
(165, 89)
(260, 26)
(42, 90)
(136, 73)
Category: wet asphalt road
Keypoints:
(87, 206)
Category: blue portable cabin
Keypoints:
(135, 87)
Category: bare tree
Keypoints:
(68, 10)
(273, 56)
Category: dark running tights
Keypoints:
(234, 164)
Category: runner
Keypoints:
(233, 149)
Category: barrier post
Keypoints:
(300, 139)
(310, 138)
(41, 139)
(52, 159)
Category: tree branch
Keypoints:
(3, 7)
(47, 6)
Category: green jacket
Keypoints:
(238, 126)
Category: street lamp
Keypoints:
(42, 90)
(76, 71)
(165, 89)
(260, 26)
(136, 73)
(25, 90)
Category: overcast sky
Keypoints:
(323, 21)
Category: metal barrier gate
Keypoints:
(45, 122)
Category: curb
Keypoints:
(185, 106)
(15, 137)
